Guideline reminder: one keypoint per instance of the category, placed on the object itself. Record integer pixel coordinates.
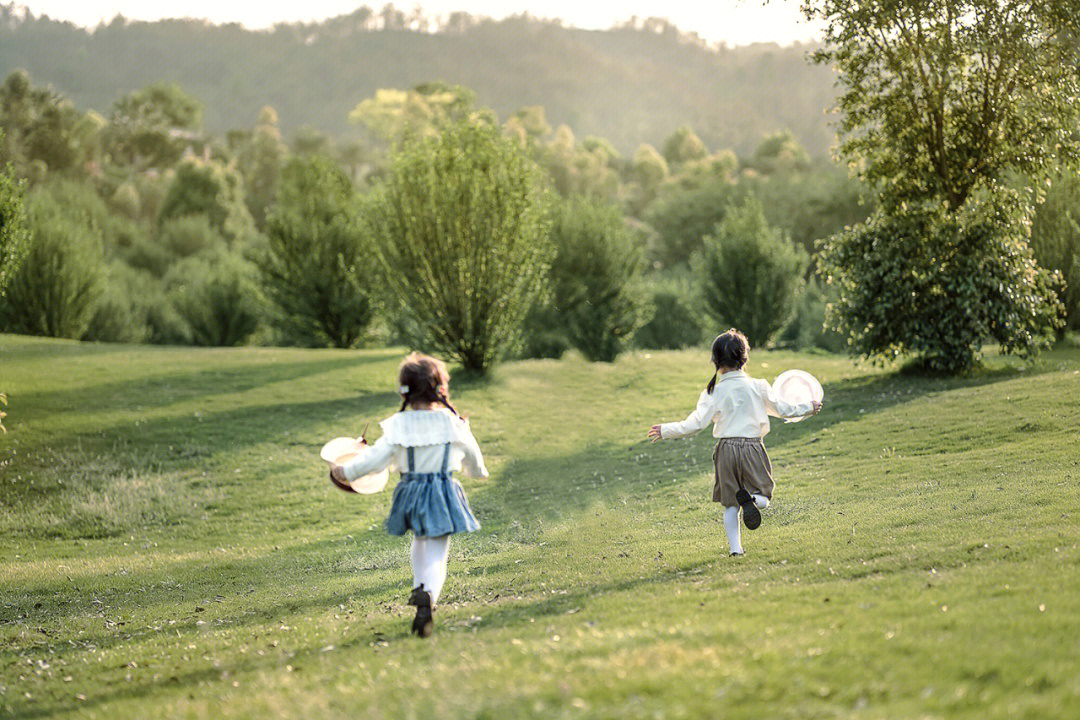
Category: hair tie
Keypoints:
(403, 390)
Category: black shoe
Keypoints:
(422, 624)
(751, 516)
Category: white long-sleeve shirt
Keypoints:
(739, 406)
(427, 432)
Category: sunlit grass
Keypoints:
(173, 548)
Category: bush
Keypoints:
(461, 237)
(595, 278)
(54, 290)
(683, 215)
(937, 285)
(750, 274)
(13, 234)
(214, 294)
(676, 318)
(807, 328)
(213, 190)
(316, 265)
(1055, 240)
(120, 313)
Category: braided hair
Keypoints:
(422, 379)
(730, 351)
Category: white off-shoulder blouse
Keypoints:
(427, 432)
(739, 406)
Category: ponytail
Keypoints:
(442, 398)
(712, 383)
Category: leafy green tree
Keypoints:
(213, 190)
(648, 170)
(937, 285)
(1055, 239)
(260, 160)
(55, 288)
(316, 268)
(595, 278)
(424, 110)
(462, 239)
(943, 97)
(780, 152)
(13, 234)
(683, 146)
(945, 106)
(685, 212)
(42, 129)
(214, 295)
(750, 274)
(151, 128)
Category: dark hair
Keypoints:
(424, 376)
(730, 351)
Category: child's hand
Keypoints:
(817, 407)
(654, 433)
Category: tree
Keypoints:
(750, 274)
(938, 284)
(13, 234)
(942, 97)
(596, 294)
(150, 128)
(946, 106)
(460, 233)
(213, 190)
(316, 266)
(683, 146)
(259, 164)
(42, 129)
(1055, 240)
(423, 110)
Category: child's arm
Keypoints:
(695, 421)
(473, 464)
(377, 458)
(778, 408)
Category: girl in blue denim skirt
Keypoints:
(427, 441)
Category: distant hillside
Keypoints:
(630, 85)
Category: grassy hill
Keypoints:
(173, 549)
(629, 85)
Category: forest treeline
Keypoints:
(631, 84)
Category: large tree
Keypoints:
(943, 97)
(947, 107)
(461, 236)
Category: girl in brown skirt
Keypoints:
(739, 407)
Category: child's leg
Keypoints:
(731, 525)
(429, 563)
(761, 501)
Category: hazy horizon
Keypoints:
(725, 22)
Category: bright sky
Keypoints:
(731, 22)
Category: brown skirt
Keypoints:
(741, 463)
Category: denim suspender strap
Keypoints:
(412, 468)
(446, 458)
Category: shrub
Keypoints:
(13, 234)
(54, 290)
(594, 278)
(461, 237)
(937, 285)
(214, 294)
(1055, 240)
(213, 190)
(807, 328)
(750, 274)
(676, 318)
(120, 312)
(683, 215)
(316, 264)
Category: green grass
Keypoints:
(172, 548)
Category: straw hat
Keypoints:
(343, 450)
(797, 386)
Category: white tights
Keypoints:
(731, 522)
(429, 556)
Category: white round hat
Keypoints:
(797, 386)
(342, 450)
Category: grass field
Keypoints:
(172, 548)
